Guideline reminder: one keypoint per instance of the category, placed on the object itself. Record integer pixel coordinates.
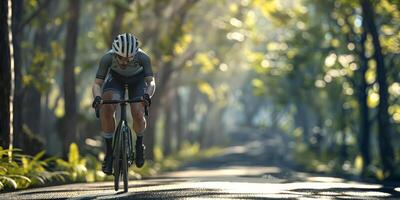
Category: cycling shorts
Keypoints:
(116, 83)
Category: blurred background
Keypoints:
(318, 81)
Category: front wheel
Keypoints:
(117, 160)
(117, 173)
(124, 172)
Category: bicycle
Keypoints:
(122, 142)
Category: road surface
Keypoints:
(237, 174)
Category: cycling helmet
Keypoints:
(125, 45)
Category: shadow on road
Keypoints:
(242, 172)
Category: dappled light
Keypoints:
(250, 98)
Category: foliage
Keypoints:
(75, 166)
(26, 171)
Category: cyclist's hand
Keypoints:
(96, 102)
(146, 100)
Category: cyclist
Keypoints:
(124, 63)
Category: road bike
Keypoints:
(122, 145)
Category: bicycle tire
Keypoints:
(117, 160)
(124, 172)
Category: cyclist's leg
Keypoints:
(107, 113)
(111, 90)
(139, 121)
(136, 89)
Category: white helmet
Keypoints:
(125, 45)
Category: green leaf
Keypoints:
(63, 165)
(206, 89)
(73, 155)
(22, 181)
(47, 160)
(38, 180)
(60, 175)
(38, 155)
(25, 164)
(3, 170)
(9, 182)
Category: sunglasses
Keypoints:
(124, 59)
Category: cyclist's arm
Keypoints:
(96, 88)
(148, 73)
(101, 74)
(150, 85)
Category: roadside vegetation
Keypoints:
(25, 171)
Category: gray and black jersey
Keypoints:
(139, 65)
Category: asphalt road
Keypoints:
(237, 174)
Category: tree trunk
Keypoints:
(168, 120)
(162, 90)
(385, 147)
(190, 113)
(117, 23)
(179, 121)
(215, 129)
(5, 77)
(18, 94)
(167, 131)
(343, 147)
(149, 137)
(301, 119)
(32, 94)
(69, 122)
(203, 134)
(364, 134)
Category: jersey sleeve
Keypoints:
(104, 65)
(144, 60)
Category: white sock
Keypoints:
(108, 135)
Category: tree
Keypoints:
(362, 94)
(69, 122)
(18, 94)
(384, 136)
(5, 76)
(179, 121)
(120, 9)
(167, 42)
(345, 13)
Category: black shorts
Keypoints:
(116, 83)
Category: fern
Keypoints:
(49, 177)
(3, 170)
(22, 181)
(24, 171)
(8, 182)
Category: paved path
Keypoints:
(237, 174)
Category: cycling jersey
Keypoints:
(140, 63)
